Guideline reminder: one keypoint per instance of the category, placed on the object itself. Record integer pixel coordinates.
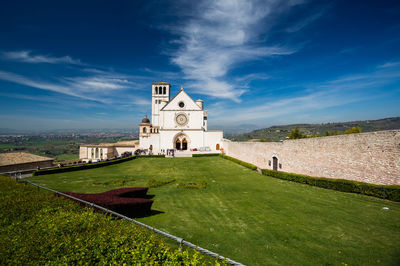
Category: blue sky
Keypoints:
(90, 64)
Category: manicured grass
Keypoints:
(253, 218)
(67, 157)
(37, 228)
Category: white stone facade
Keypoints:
(104, 151)
(179, 123)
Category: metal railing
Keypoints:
(180, 240)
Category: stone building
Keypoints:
(179, 123)
(22, 161)
(103, 151)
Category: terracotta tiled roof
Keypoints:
(20, 157)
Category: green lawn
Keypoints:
(252, 218)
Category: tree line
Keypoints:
(297, 134)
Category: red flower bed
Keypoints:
(129, 192)
(126, 201)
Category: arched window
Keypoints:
(92, 153)
(151, 130)
(217, 148)
(165, 90)
(151, 147)
(144, 130)
(156, 90)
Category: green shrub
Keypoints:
(379, 191)
(159, 183)
(205, 154)
(151, 156)
(37, 228)
(191, 185)
(80, 167)
(118, 182)
(248, 165)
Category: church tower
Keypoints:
(160, 96)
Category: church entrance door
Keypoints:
(181, 142)
(184, 145)
(178, 144)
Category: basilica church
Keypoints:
(179, 123)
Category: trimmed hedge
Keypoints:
(248, 165)
(127, 201)
(390, 192)
(205, 154)
(80, 167)
(191, 185)
(128, 192)
(159, 183)
(151, 156)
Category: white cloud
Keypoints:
(99, 83)
(305, 22)
(105, 89)
(220, 35)
(91, 88)
(27, 57)
(389, 64)
(338, 92)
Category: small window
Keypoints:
(156, 90)
(181, 104)
(165, 90)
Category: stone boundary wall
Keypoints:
(26, 166)
(372, 157)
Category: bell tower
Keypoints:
(160, 92)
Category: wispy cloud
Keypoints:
(102, 87)
(98, 83)
(305, 22)
(221, 35)
(89, 88)
(331, 93)
(27, 57)
(389, 64)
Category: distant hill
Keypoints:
(276, 133)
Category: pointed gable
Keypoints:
(181, 97)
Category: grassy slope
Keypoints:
(253, 218)
(38, 228)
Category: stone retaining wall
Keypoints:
(372, 157)
(26, 166)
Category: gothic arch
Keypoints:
(181, 141)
